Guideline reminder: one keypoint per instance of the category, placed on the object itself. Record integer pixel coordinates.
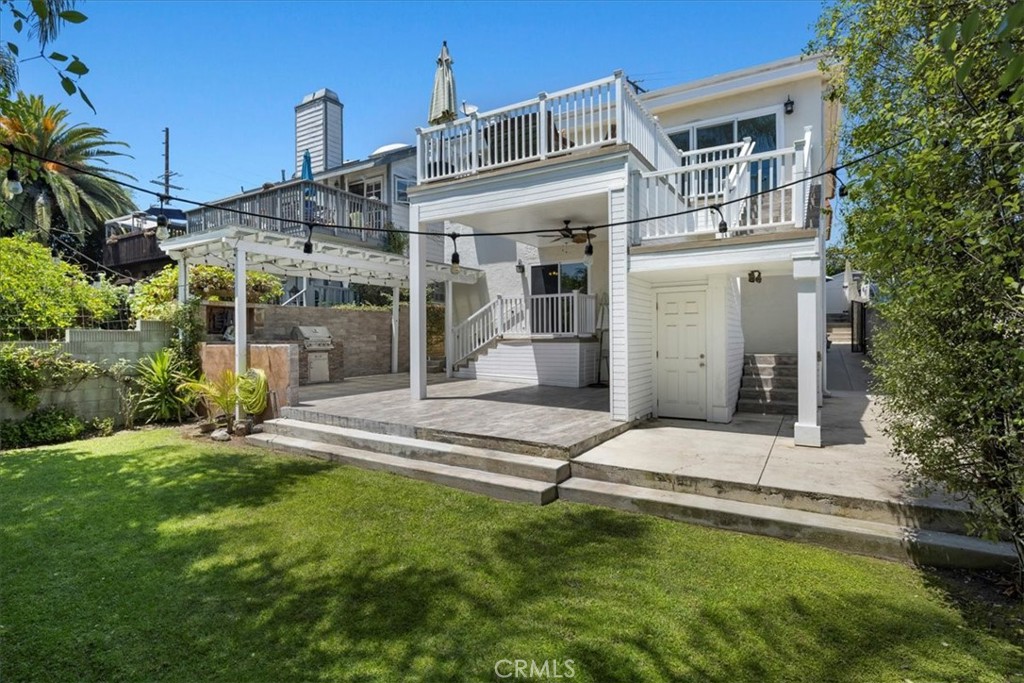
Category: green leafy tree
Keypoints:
(937, 222)
(156, 298)
(74, 202)
(835, 258)
(40, 21)
(41, 297)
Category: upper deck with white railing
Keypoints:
(290, 206)
(595, 114)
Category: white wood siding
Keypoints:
(733, 344)
(318, 128)
(641, 349)
(618, 305)
(553, 364)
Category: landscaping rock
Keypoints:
(220, 435)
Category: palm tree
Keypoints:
(44, 23)
(73, 197)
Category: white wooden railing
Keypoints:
(751, 190)
(556, 315)
(577, 118)
(288, 207)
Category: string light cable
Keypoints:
(508, 233)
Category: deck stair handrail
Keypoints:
(753, 190)
(572, 314)
(594, 114)
(287, 207)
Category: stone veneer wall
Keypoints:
(97, 396)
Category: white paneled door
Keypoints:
(682, 355)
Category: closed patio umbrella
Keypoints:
(443, 107)
(308, 191)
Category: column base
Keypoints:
(807, 435)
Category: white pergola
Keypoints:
(243, 249)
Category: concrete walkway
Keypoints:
(758, 450)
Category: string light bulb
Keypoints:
(456, 268)
(588, 252)
(14, 186)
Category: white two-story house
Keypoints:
(659, 242)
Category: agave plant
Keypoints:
(160, 396)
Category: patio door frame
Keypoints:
(657, 291)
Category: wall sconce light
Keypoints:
(456, 268)
(520, 268)
(723, 227)
(754, 276)
(787, 106)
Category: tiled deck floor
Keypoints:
(568, 420)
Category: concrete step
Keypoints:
(501, 486)
(487, 460)
(770, 359)
(761, 382)
(768, 395)
(862, 537)
(761, 407)
(930, 514)
(769, 371)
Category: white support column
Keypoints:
(449, 318)
(395, 327)
(618, 287)
(241, 333)
(417, 307)
(806, 270)
(182, 279)
(822, 329)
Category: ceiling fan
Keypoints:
(581, 236)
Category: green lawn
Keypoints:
(147, 557)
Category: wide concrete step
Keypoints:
(769, 395)
(487, 460)
(933, 514)
(760, 382)
(770, 359)
(762, 407)
(862, 537)
(770, 371)
(501, 486)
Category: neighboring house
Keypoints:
(131, 244)
(362, 195)
(737, 272)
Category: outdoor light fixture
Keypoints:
(13, 180)
(161, 227)
(787, 106)
(456, 268)
(843, 190)
(520, 268)
(588, 252)
(307, 248)
(754, 276)
(723, 227)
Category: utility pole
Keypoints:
(165, 178)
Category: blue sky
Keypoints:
(225, 76)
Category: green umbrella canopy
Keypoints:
(442, 100)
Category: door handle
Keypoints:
(702, 355)
(702, 364)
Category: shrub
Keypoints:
(40, 298)
(252, 391)
(220, 393)
(160, 396)
(25, 370)
(48, 425)
(155, 298)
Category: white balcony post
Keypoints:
(449, 328)
(499, 313)
(474, 149)
(395, 327)
(241, 333)
(421, 155)
(577, 317)
(620, 107)
(799, 174)
(417, 307)
(542, 125)
(182, 279)
(806, 271)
